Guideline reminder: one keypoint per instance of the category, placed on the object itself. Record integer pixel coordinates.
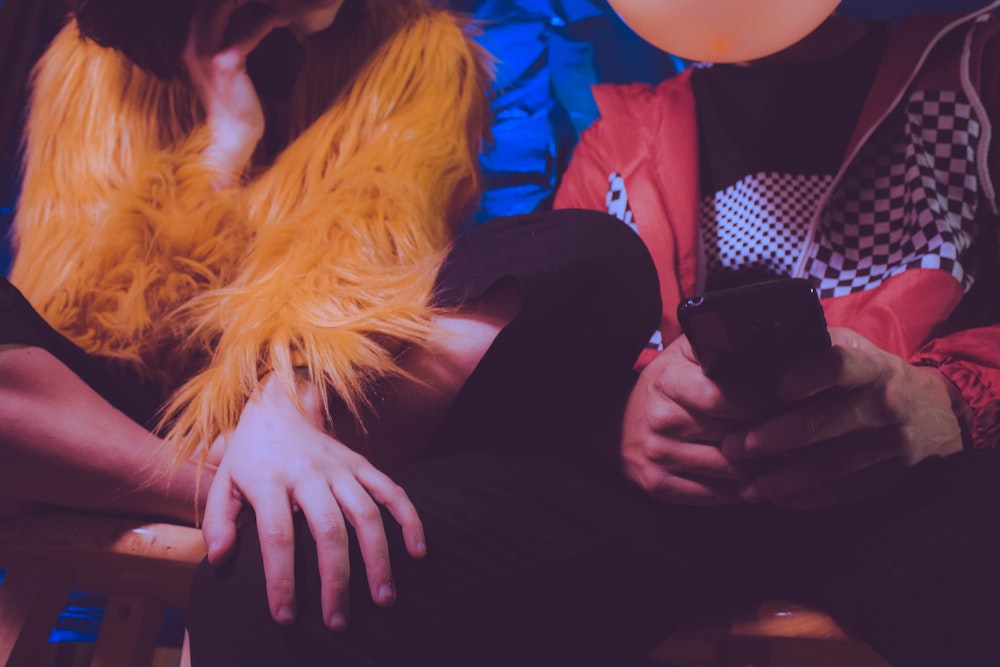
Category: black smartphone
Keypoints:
(750, 334)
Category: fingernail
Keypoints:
(337, 621)
(285, 615)
(421, 546)
(385, 592)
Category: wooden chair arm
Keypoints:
(108, 554)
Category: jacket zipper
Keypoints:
(979, 14)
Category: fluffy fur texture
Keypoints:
(325, 259)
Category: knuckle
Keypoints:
(637, 450)
(650, 478)
(645, 482)
(276, 536)
(357, 462)
(706, 396)
(660, 416)
(281, 585)
(394, 494)
(337, 582)
(894, 405)
(378, 562)
(398, 491)
(664, 388)
(661, 385)
(303, 469)
(368, 513)
(330, 530)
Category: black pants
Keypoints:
(541, 555)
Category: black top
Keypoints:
(784, 117)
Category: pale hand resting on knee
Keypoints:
(281, 459)
(284, 456)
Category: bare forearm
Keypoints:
(62, 444)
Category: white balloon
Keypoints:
(723, 30)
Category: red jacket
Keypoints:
(648, 135)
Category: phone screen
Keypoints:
(750, 334)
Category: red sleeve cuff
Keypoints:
(979, 395)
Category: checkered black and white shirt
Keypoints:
(776, 202)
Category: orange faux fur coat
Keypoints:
(324, 259)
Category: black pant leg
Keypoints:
(922, 583)
(915, 573)
(532, 561)
(536, 558)
(557, 377)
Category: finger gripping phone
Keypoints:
(752, 333)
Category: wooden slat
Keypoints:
(144, 567)
(129, 631)
(771, 634)
(110, 554)
(32, 594)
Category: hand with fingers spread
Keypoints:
(221, 36)
(674, 422)
(857, 420)
(280, 460)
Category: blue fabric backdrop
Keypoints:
(549, 53)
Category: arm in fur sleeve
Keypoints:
(350, 226)
(118, 221)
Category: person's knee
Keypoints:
(617, 265)
(922, 586)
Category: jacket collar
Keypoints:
(909, 47)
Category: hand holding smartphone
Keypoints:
(749, 335)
